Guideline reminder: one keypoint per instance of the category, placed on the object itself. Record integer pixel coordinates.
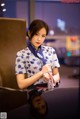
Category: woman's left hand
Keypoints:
(46, 77)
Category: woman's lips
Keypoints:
(37, 43)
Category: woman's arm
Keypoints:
(56, 75)
(55, 71)
(24, 82)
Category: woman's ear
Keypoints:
(29, 35)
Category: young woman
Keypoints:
(36, 64)
(38, 105)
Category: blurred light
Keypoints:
(73, 38)
(51, 32)
(61, 24)
(4, 10)
(63, 50)
(2, 4)
(68, 54)
(77, 52)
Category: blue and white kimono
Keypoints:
(27, 62)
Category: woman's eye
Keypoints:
(43, 36)
(36, 34)
(40, 35)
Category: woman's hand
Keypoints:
(46, 77)
(46, 69)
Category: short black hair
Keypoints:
(35, 26)
(33, 94)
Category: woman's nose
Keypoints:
(39, 37)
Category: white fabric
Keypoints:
(56, 78)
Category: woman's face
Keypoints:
(39, 38)
(39, 104)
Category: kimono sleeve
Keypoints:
(55, 59)
(20, 64)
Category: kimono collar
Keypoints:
(38, 53)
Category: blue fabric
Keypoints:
(38, 53)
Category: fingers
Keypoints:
(46, 68)
(46, 80)
(47, 77)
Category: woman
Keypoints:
(38, 105)
(39, 62)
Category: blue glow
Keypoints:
(68, 54)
